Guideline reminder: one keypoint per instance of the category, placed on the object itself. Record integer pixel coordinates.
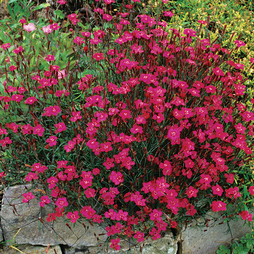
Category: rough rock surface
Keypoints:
(30, 218)
(29, 249)
(165, 245)
(199, 239)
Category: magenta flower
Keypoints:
(73, 216)
(50, 58)
(61, 202)
(217, 190)
(61, 2)
(52, 140)
(116, 177)
(60, 127)
(114, 244)
(39, 130)
(239, 43)
(218, 206)
(44, 200)
(27, 196)
(30, 100)
(251, 190)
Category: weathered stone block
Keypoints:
(200, 239)
(30, 218)
(29, 249)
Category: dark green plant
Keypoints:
(243, 246)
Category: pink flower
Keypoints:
(44, 200)
(50, 58)
(96, 171)
(76, 116)
(38, 129)
(52, 140)
(239, 43)
(12, 68)
(5, 141)
(30, 100)
(47, 29)
(73, 216)
(107, 17)
(73, 18)
(217, 71)
(139, 236)
(189, 32)
(29, 27)
(191, 192)
(90, 193)
(54, 26)
(52, 182)
(218, 206)
(116, 177)
(52, 110)
(61, 2)
(251, 190)
(168, 14)
(114, 244)
(217, 190)
(5, 46)
(22, 21)
(109, 163)
(88, 212)
(27, 196)
(246, 215)
(18, 50)
(98, 56)
(61, 202)
(60, 127)
(61, 74)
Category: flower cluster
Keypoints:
(160, 121)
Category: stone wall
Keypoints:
(26, 224)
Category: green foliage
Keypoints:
(243, 246)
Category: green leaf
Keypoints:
(59, 14)
(41, 6)
(11, 12)
(12, 1)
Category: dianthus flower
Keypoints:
(60, 127)
(114, 244)
(251, 190)
(73, 216)
(88, 212)
(217, 190)
(116, 177)
(61, 202)
(246, 215)
(39, 130)
(30, 100)
(191, 192)
(44, 200)
(52, 140)
(29, 27)
(27, 196)
(218, 206)
(139, 236)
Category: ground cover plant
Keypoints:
(129, 121)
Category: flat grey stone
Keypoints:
(30, 249)
(165, 245)
(200, 239)
(30, 218)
